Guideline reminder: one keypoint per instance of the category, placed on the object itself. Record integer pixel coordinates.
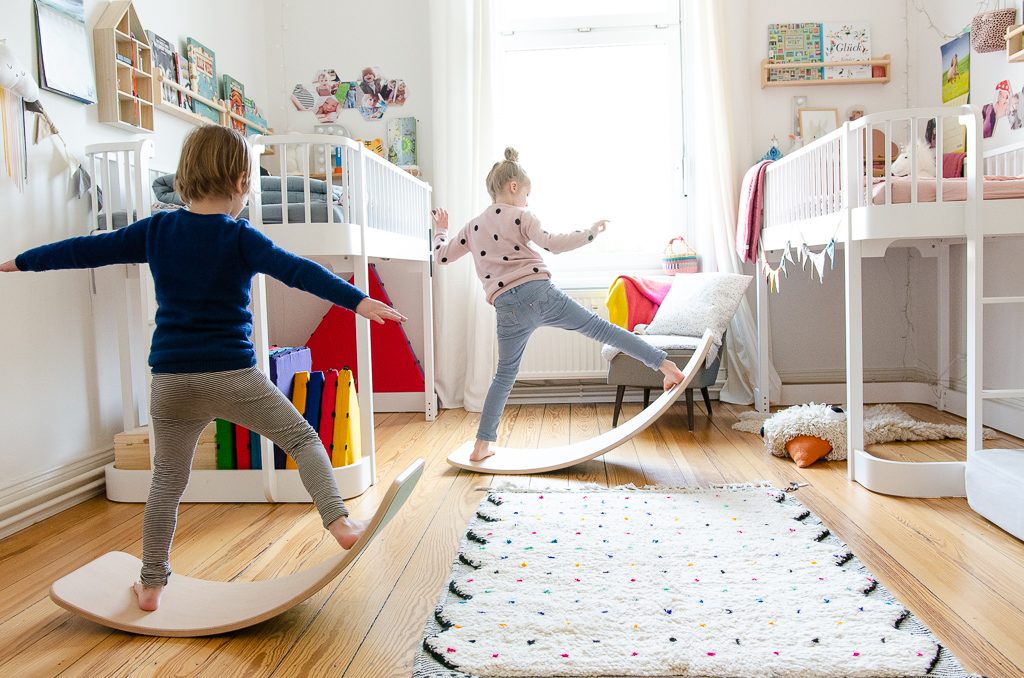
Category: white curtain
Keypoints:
(714, 80)
(463, 64)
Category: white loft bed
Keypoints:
(824, 192)
(383, 214)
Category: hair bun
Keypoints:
(511, 154)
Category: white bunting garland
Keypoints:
(804, 254)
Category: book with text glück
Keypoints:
(846, 41)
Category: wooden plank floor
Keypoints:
(963, 576)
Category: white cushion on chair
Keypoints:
(664, 342)
(995, 479)
(700, 301)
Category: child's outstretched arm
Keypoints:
(446, 251)
(559, 242)
(124, 246)
(265, 257)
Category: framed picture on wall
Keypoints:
(65, 58)
(817, 122)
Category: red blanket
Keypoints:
(748, 222)
(953, 165)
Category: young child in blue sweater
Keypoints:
(204, 366)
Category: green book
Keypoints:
(225, 445)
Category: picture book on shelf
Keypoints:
(846, 41)
(181, 75)
(233, 92)
(794, 43)
(202, 71)
(252, 114)
(163, 60)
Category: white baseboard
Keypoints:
(1006, 415)
(399, 402)
(39, 497)
(874, 392)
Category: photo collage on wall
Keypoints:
(1006, 103)
(327, 94)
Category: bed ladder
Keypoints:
(992, 477)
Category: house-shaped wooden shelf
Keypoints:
(124, 66)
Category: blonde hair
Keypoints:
(212, 160)
(505, 171)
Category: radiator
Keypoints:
(558, 354)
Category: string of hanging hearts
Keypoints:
(804, 255)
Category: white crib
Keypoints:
(826, 191)
(384, 213)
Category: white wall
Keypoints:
(1005, 325)
(807, 324)
(60, 394)
(305, 37)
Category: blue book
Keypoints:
(314, 392)
(202, 71)
(284, 364)
(255, 451)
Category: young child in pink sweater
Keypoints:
(518, 284)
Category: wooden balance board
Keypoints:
(101, 590)
(515, 461)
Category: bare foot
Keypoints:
(149, 596)
(348, 530)
(673, 375)
(481, 450)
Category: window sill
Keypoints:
(598, 279)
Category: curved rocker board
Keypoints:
(516, 461)
(101, 590)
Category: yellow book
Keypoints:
(347, 439)
(299, 400)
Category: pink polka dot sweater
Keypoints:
(501, 241)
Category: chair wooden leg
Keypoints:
(689, 409)
(647, 397)
(618, 405)
(707, 399)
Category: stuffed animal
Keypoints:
(811, 432)
(807, 433)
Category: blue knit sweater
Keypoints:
(202, 266)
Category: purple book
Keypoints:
(284, 363)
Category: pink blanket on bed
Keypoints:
(748, 222)
(953, 190)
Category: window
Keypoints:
(593, 104)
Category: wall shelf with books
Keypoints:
(172, 107)
(124, 62)
(881, 69)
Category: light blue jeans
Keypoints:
(522, 310)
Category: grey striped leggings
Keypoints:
(181, 406)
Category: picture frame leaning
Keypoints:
(817, 122)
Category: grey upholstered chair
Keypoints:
(624, 371)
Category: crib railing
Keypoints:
(374, 192)
(806, 183)
(396, 200)
(121, 181)
(1005, 161)
(838, 171)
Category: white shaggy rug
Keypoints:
(882, 424)
(731, 581)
